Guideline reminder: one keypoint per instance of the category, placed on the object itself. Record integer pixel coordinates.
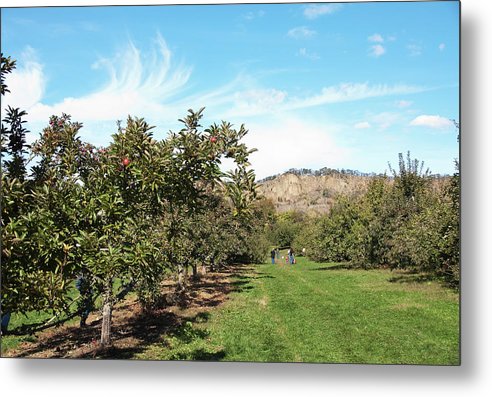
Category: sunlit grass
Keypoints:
(321, 313)
(310, 312)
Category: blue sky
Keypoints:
(318, 85)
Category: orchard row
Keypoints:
(137, 210)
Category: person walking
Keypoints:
(273, 253)
(86, 303)
(5, 322)
(291, 256)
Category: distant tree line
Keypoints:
(326, 171)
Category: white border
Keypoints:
(90, 378)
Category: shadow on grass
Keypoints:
(256, 277)
(134, 330)
(412, 277)
(29, 329)
(401, 276)
(203, 355)
(333, 267)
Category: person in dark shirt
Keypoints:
(292, 259)
(86, 303)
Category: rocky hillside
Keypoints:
(310, 193)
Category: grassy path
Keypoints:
(307, 312)
(321, 313)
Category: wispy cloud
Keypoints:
(301, 32)
(257, 101)
(26, 83)
(414, 50)
(348, 92)
(154, 86)
(134, 86)
(303, 52)
(27, 86)
(90, 26)
(385, 120)
(403, 103)
(376, 38)
(314, 11)
(23, 21)
(377, 50)
(432, 121)
(254, 15)
(442, 46)
(269, 101)
(362, 125)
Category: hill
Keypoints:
(316, 191)
(310, 192)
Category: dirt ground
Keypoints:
(132, 327)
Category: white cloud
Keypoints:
(347, 92)
(385, 120)
(432, 121)
(301, 32)
(362, 125)
(303, 52)
(403, 104)
(285, 142)
(377, 50)
(313, 11)
(268, 101)
(26, 83)
(136, 86)
(442, 46)
(152, 86)
(376, 38)
(257, 101)
(414, 50)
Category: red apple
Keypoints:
(213, 139)
(125, 162)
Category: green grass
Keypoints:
(34, 319)
(19, 321)
(311, 312)
(322, 313)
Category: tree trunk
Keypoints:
(106, 319)
(195, 272)
(180, 287)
